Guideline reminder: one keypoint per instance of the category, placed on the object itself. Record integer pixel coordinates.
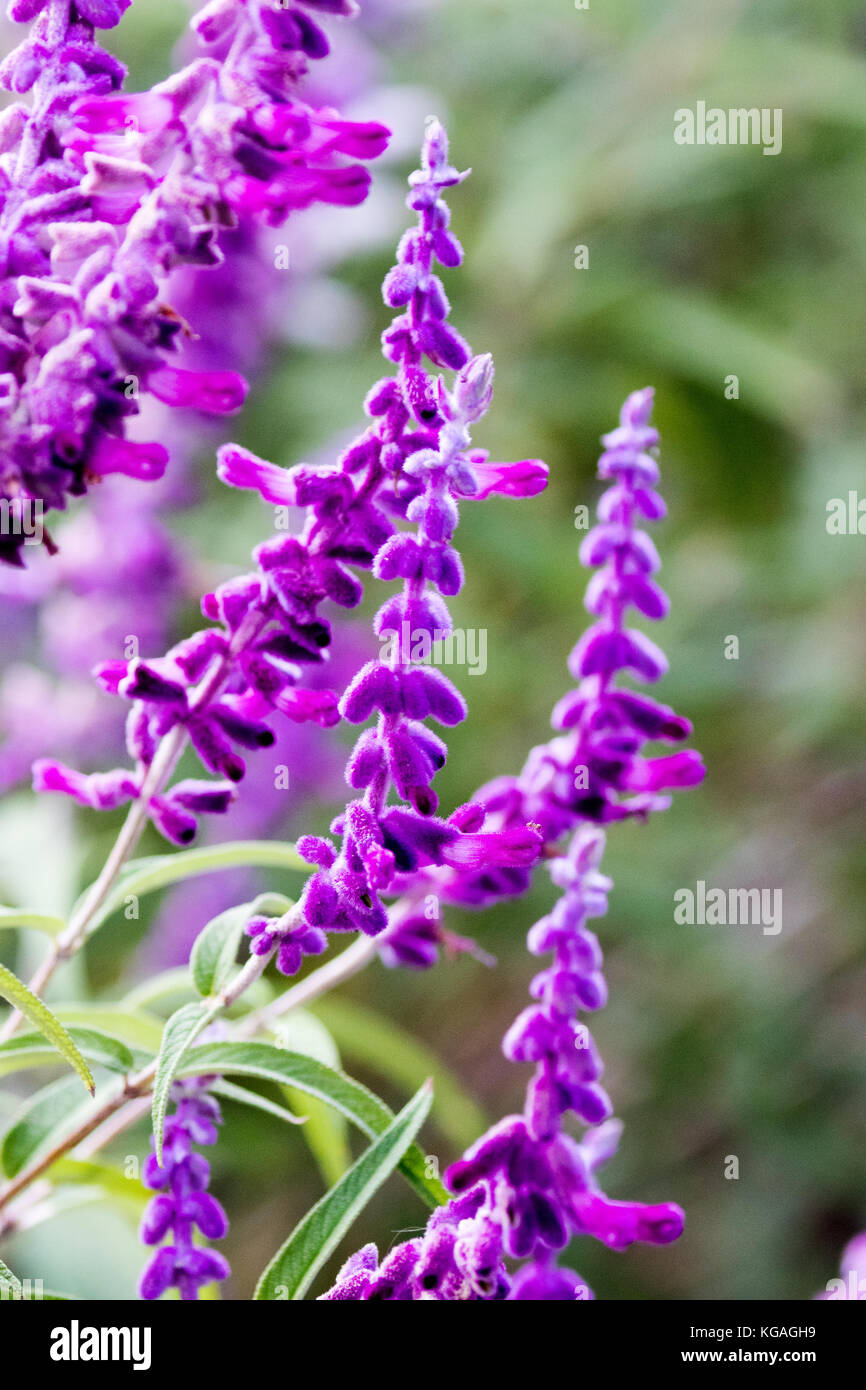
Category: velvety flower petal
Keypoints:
(218, 393)
(158, 1274)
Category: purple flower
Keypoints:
(219, 687)
(183, 1201)
(594, 770)
(105, 195)
(293, 941)
(413, 464)
(526, 1187)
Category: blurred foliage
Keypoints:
(703, 262)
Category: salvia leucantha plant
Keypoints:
(230, 133)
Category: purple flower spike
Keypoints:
(183, 1202)
(413, 464)
(525, 1187)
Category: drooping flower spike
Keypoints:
(103, 195)
(220, 686)
(594, 769)
(415, 462)
(393, 473)
(527, 1187)
(183, 1202)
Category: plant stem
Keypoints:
(350, 961)
(170, 749)
(130, 1097)
(134, 1087)
(341, 968)
(72, 937)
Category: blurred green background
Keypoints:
(704, 262)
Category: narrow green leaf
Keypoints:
(215, 949)
(296, 1264)
(326, 1130)
(143, 876)
(49, 1114)
(367, 1037)
(180, 1032)
(41, 1017)
(175, 985)
(364, 1109)
(229, 1091)
(30, 1050)
(39, 921)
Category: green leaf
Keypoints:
(271, 905)
(39, 921)
(367, 1037)
(49, 1026)
(365, 1110)
(180, 1032)
(215, 949)
(229, 1091)
(175, 985)
(29, 1050)
(51, 1112)
(143, 876)
(326, 1130)
(136, 1028)
(314, 1239)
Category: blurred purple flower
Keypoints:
(851, 1286)
(102, 195)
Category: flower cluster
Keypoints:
(421, 450)
(183, 1201)
(219, 686)
(216, 688)
(593, 770)
(526, 1187)
(292, 941)
(103, 195)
